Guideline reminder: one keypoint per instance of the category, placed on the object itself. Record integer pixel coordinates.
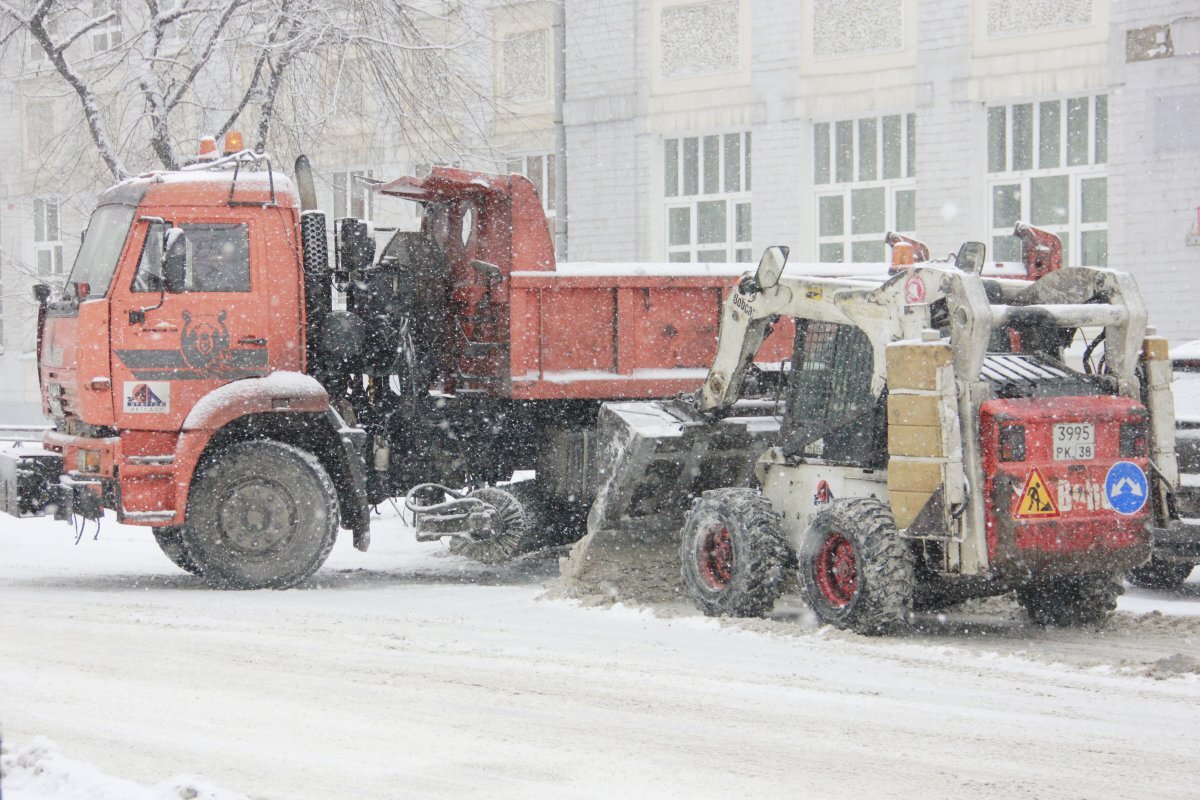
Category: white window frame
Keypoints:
(347, 191)
(845, 189)
(45, 246)
(733, 249)
(107, 36)
(1072, 231)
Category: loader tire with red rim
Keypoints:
(855, 571)
(735, 558)
(261, 514)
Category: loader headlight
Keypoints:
(1134, 439)
(1012, 442)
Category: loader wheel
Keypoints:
(1073, 600)
(261, 515)
(1159, 574)
(735, 558)
(170, 541)
(513, 533)
(855, 571)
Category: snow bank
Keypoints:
(38, 771)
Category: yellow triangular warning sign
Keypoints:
(1035, 499)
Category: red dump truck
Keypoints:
(214, 375)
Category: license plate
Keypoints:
(1074, 441)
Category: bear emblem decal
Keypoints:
(204, 341)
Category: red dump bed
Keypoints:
(610, 332)
(524, 329)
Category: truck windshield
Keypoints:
(97, 259)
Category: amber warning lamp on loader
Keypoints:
(208, 149)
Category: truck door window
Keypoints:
(831, 391)
(148, 277)
(218, 258)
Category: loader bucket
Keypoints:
(654, 458)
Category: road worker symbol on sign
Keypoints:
(1035, 500)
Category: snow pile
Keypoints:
(38, 772)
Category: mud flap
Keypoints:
(654, 458)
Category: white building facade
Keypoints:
(705, 130)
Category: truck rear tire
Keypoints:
(515, 533)
(1073, 600)
(1159, 574)
(170, 541)
(855, 571)
(735, 558)
(261, 514)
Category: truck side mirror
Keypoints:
(41, 292)
(770, 267)
(971, 257)
(174, 264)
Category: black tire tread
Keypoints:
(289, 575)
(887, 569)
(170, 541)
(1071, 600)
(1159, 574)
(763, 560)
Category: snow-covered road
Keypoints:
(405, 672)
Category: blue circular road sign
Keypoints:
(1126, 487)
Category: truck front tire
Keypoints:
(170, 541)
(735, 558)
(261, 514)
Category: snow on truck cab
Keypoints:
(203, 381)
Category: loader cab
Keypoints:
(831, 412)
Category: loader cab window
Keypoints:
(218, 258)
(831, 411)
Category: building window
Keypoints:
(352, 194)
(540, 171)
(864, 171)
(525, 67)
(700, 38)
(47, 238)
(107, 36)
(1046, 166)
(707, 187)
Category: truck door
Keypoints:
(170, 348)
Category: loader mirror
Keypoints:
(770, 267)
(174, 264)
(41, 292)
(971, 256)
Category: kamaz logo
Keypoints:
(147, 397)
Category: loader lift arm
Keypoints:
(748, 314)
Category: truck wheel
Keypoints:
(1074, 600)
(170, 541)
(261, 515)
(855, 571)
(734, 555)
(514, 533)
(1159, 574)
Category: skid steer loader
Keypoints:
(931, 444)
